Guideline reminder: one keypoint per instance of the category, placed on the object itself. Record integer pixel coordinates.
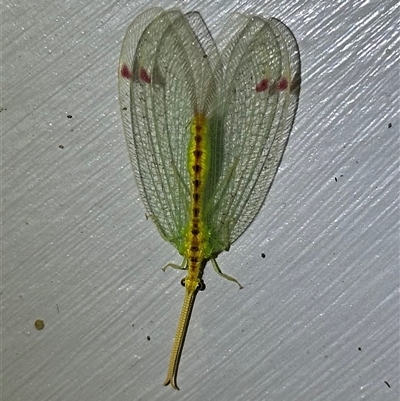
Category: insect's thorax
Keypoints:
(196, 238)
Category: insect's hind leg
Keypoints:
(218, 270)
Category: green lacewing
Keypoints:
(206, 127)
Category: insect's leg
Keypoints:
(183, 265)
(218, 270)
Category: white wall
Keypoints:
(318, 317)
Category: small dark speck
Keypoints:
(390, 125)
(133, 324)
(148, 338)
(61, 146)
(335, 179)
(263, 255)
(39, 324)
(69, 116)
(387, 384)
(359, 348)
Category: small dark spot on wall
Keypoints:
(39, 324)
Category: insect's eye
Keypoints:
(201, 286)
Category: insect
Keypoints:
(206, 128)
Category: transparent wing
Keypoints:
(125, 67)
(166, 76)
(251, 121)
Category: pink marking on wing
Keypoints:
(126, 72)
(262, 85)
(144, 76)
(282, 84)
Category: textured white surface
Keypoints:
(318, 317)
